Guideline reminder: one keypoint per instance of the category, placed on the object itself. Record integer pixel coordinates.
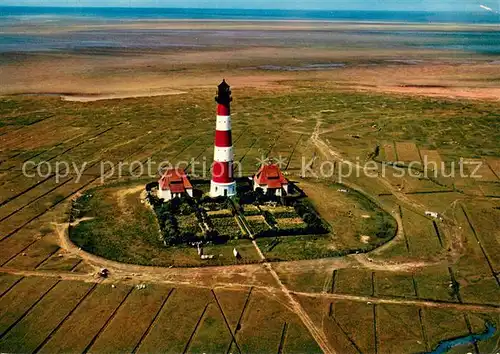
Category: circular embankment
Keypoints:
(115, 222)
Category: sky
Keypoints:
(404, 5)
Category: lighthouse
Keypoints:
(223, 183)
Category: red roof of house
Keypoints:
(175, 180)
(270, 176)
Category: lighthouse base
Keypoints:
(222, 189)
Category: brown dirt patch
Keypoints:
(122, 194)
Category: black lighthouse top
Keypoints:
(223, 93)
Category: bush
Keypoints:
(258, 197)
(153, 200)
(170, 231)
(251, 210)
(83, 206)
(310, 217)
(269, 218)
(226, 227)
(285, 215)
(186, 209)
(257, 227)
(171, 234)
(385, 225)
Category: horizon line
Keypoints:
(226, 8)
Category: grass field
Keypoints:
(428, 284)
(125, 331)
(30, 332)
(77, 332)
(267, 321)
(398, 328)
(407, 152)
(352, 316)
(394, 284)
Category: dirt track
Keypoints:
(255, 275)
(263, 276)
(451, 229)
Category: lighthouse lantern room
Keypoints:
(223, 183)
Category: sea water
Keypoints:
(25, 12)
(446, 345)
(29, 19)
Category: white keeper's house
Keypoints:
(271, 180)
(173, 184)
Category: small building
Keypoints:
(173, 184)
(432, 214)
(271, 180)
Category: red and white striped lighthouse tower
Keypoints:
(223, 183)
